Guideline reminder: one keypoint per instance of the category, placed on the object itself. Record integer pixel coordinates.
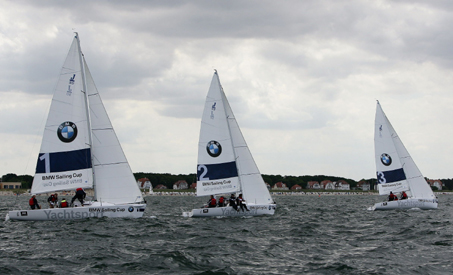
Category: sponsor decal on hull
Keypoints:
(420, 203)
(229, 211)
(232, 212)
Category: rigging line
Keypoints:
(113, 163)
(61, 101)
(250, 174)
(102, 129)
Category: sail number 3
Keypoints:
(380, 177)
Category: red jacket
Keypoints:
(213, 202)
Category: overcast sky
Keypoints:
(302, 78)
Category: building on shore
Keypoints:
(436, 183)
(280, 186)
(181, 184)
(10, 185)
(313, 185)
(144, 183)
(363, 185)
(342, 185)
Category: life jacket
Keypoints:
(404, 196)
(64, 203)
(31, 202)
(79, 189)
(221, 200)
(213, 202)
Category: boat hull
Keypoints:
(424, 204)
(228, 211)
(76, 213)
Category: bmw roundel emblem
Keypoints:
(386, 159)
(130, 209)
(67, 131)
(214, 149)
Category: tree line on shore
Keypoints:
(168, 179)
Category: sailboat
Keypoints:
(396, 170)
(225, 164)
(81, 150)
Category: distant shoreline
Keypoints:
(169, 192)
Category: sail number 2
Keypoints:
(205, 171)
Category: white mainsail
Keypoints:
(80, 142)
(396, 170)
(64, 160)
(225, 164)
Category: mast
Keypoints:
(90, 143)
(224, 99)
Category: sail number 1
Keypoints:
(46, 158)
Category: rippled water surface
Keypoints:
(308, 234)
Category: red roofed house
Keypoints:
(313, 185)
(296, 187)
(280, 186)
(436, 183)
(342, 185)
(364, 185)
(161, 186)
(327, 184)
(144, 183)
(181, 184)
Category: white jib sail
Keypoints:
(254, 189)
(114, 180)
(396, 170)
(64, 161)
(216, 171)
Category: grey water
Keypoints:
(307, 235)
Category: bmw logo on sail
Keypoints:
(213, 148)
(67, 131)
(386, 159)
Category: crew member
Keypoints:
(392, 197)
(403, 196)
(53, 200)
(33, 202)
(232, 202)
(221, 201)
(241, 203)
(80, 195)
(64, 203)
(212, 202)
